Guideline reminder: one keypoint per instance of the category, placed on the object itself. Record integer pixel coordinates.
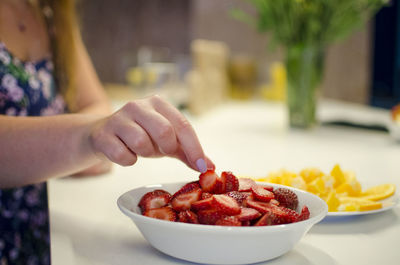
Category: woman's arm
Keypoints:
(33, 149)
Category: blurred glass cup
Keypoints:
(243, 76)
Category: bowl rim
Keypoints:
(136, 217)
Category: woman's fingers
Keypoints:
(149, 127)
(158, 127)
(105, 141)
(185, 133)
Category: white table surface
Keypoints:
(248, 139)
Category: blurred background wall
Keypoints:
(114, 31)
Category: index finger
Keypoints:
(185, 133)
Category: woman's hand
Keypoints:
(148, 127)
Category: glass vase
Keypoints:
(304, 69)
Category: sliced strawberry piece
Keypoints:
(203, 204)
(305, 214)
(245, 184)
(219, 186)
(267, 219)
(285, 215)
(230, 181)
(184, 201)
(229, 221)
(240, 197)
(206, 195)
(209, 217)
(274, 202)
(188, 217)
(269, 188)
(248, 214)
(262, 207)
(226, 204)
(261, 194)
(154, 199)
(208, 181)
(164, 213)
(286, 198)
(246, 223)
(186, 188)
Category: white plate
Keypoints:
(387, 204)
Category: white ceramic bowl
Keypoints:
(220, 244)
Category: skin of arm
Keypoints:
(34, 149)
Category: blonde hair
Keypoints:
(61, 20)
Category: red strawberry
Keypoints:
(188, 217)
(205, 195)
(246, 223)
(228, 221)
(274, 202)
(240, 197)
(154, 199)
(269, 188)
(262, 207)
(267, 219)
(187, 187)
(231, 183)
(219, 186)
(203, 204)
(286, 198)
(164, 213)
(245, 184)
(184, 201)
(285, 215)
(226, 204)
(261, 194)
(247, 214)
(208, 180)
(305, 214)
(209, 217)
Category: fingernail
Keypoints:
(201, 165)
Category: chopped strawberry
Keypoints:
(188, 217)
(261, 194)
(286, 198)
(267, 219)
(229, 221)
(231, 182)
(274, 202)
(184, 201)
(269, 188)
(186, 188)
(203, 204)
(208, 181)
(209, 217)
(245, 184)
(246, 223)
(240, 197)
(226, 204)
(219, 186)
(305, 214)
(248, 214)
(164, 213)
(285, 215)
(262, 207)
(206, 195)
(154, 199)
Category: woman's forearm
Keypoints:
(33, 149)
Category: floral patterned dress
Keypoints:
(26, 89)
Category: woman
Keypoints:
(46, 71)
